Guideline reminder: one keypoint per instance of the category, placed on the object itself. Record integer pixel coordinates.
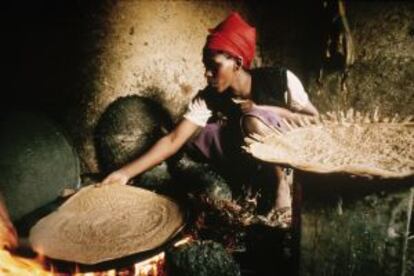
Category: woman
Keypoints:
(236, 103)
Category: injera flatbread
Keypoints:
(344, 142)
(104, 223)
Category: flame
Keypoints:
(11, 265)
(183, 241)
(149, 266)
(18, 266)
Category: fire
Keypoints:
(11, 265)
(150, 266)
(18, 266)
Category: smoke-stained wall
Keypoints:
(383, 72)
(295, 35)
(71, 61)
(153, 49)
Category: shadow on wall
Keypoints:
(50, 54)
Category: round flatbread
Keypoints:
(104, 223)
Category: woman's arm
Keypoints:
(282, 112)
(309, 109)
(162, 149)
(247, 105)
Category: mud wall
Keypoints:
(383, 73)
(70, 60)
(294, 34)
(151, 48)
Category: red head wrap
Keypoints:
(235, 37)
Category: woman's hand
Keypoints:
(8, 234)
(116, 177)
(245, 105)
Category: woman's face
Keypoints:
(220, 71)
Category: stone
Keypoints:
(201, 258)
(37, 162)
(200, 178)
(126, 130)
(128, 127)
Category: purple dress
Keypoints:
(221, 144)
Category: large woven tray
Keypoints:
(344, 142)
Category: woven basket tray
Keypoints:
(344, 142)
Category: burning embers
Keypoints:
(111, 222)
(12, 265)
(83, 238)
